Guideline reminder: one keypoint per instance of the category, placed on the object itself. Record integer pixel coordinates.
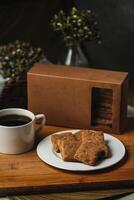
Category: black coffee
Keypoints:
(14, 120)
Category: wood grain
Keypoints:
(27, 174)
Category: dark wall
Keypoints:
(116, 19)
(29, 20)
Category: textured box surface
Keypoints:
(78, 97)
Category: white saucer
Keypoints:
(46, 154)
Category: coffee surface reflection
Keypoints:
(14, 120)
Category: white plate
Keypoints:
(46, 153)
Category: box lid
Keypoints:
(79, 73)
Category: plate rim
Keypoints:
(91, 168)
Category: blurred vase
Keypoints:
(74, 56)
(2, 83)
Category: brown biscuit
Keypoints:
(104, 150)
(86, 153)
(78, 135)
(55, 139)
(86, 146)
(89, 153)
(101, 121)
(68, 148)
(93, 136)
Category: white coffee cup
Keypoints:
(19, 138)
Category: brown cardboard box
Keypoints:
(78, 97)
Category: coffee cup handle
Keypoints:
(40, 119)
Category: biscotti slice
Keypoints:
(89, 153)
(92, 135)
(78, 135)
(68, 148)
(56, 138)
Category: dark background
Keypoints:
(29, 20)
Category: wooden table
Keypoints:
(114, 178)
(87, 194)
